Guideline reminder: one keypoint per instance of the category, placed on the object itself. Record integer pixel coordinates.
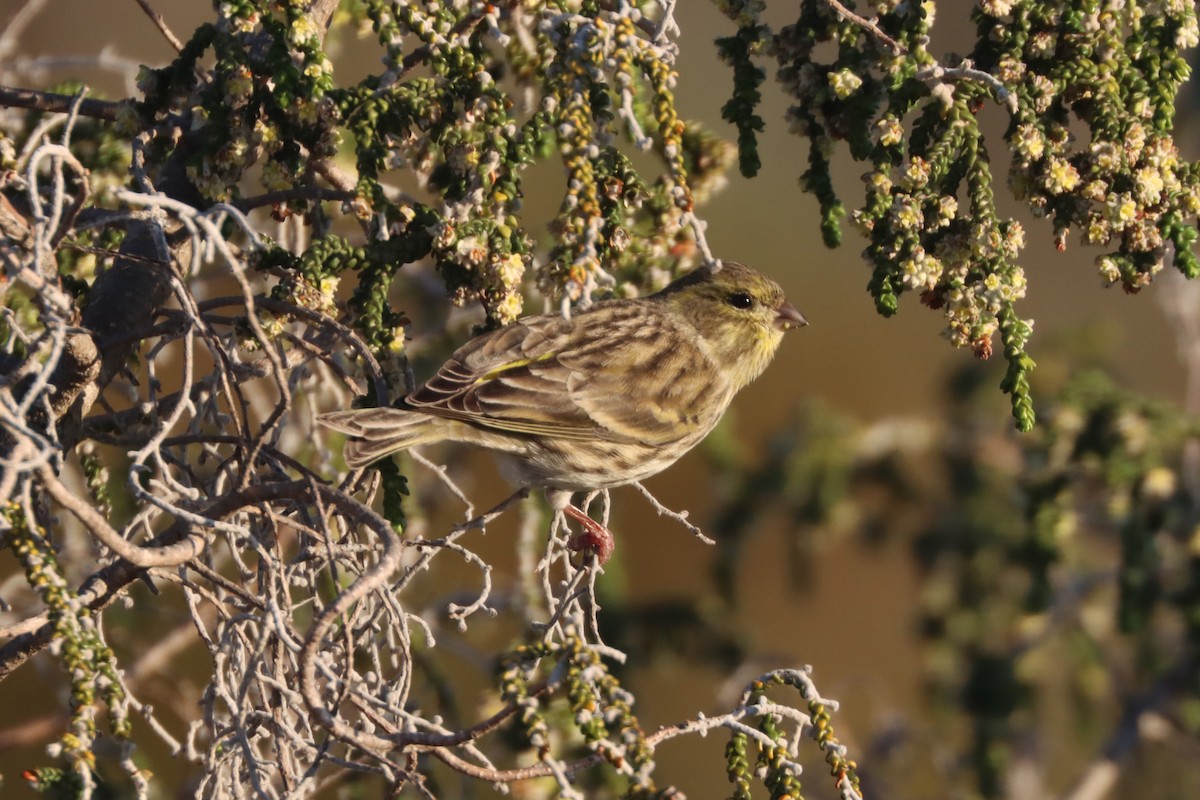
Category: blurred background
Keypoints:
(804, 573)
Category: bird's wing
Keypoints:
(581, 379)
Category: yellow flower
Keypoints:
(889, 130)
(1061, 176)
(844, 83)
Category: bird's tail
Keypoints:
(378, 432)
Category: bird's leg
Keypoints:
(595, 537)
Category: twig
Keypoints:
(1098, 779)
(440, 471)
(164, 556)
(107, 584)
(966, 71)
(868, 26)
(679, 516)
(161, 23)
(483, 519)
(935, 73)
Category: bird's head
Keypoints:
(738, 312)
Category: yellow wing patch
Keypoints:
(492, 374)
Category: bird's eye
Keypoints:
(740, 300)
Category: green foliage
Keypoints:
(1076, 541)
(395, 488)
(601, 709)
(737, 766)
(1089, 89)
(740, 110)
(272, 102)
(86, 658)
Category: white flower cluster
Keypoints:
(1150, 168)
(502, 273)
(974, 299)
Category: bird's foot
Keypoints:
(595, 538)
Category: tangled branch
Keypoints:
(164, 362)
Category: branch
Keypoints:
(679, 516)
(107, 584)
(868, 26)
(1098, 780)
(967, 71)
(161, 23)
(171, 555)
(12, 97)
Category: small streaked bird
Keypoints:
(607, 397)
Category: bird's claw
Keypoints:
(594, 538)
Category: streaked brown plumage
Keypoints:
(610, 396)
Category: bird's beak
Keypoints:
(789, 318)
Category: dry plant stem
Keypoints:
(167, 556)
(61, 219)
(483, 519)
(679, 516)
(444, 477)
(666, 26)
(698, 227)
(108, 583)
(132, 287)
(1098, 780)
(591, 608)
(935, 73)
(161, 23)
(867, 25)
(571, 600)
(295, 588)
(462, 28)
(732, 720)
(966, 71)
(517, 774)
(465, 736)
(388, 562)
(39, 135)
(331, 172)
(154, 660)
(430, 547)
(571, 594)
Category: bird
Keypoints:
(602, 398)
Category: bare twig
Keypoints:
(164, 556)
(868, 26)
(300, 594)
(679, 516)
(161, 23)
(1098, 780)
